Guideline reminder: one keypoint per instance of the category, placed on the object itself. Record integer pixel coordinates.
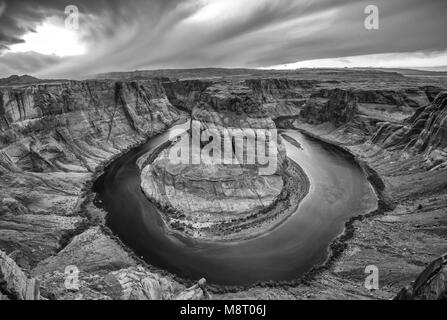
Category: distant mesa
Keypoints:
(17, 80)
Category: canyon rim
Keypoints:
(242, 160)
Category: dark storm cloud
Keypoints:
(137, 34)
(405, 26)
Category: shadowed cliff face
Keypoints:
(339, 107)
(184, 94)
(434, 134)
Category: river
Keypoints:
(338, 191)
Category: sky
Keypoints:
(41, 38)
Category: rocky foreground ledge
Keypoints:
(131, 283)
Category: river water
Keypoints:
(339, 190)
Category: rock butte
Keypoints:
(222, 201)
(54, 136)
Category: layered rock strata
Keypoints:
(53, 137)
(339, 108)
(424, 133)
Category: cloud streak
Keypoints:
(137, 34)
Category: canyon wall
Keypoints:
(53, 138)
(277, 97)
(339, 107)
(424, 133)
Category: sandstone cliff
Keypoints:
(339, 108)
(425, 132)
(52, 139)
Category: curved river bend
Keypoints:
(339, 190)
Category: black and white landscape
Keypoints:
(223, 149)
